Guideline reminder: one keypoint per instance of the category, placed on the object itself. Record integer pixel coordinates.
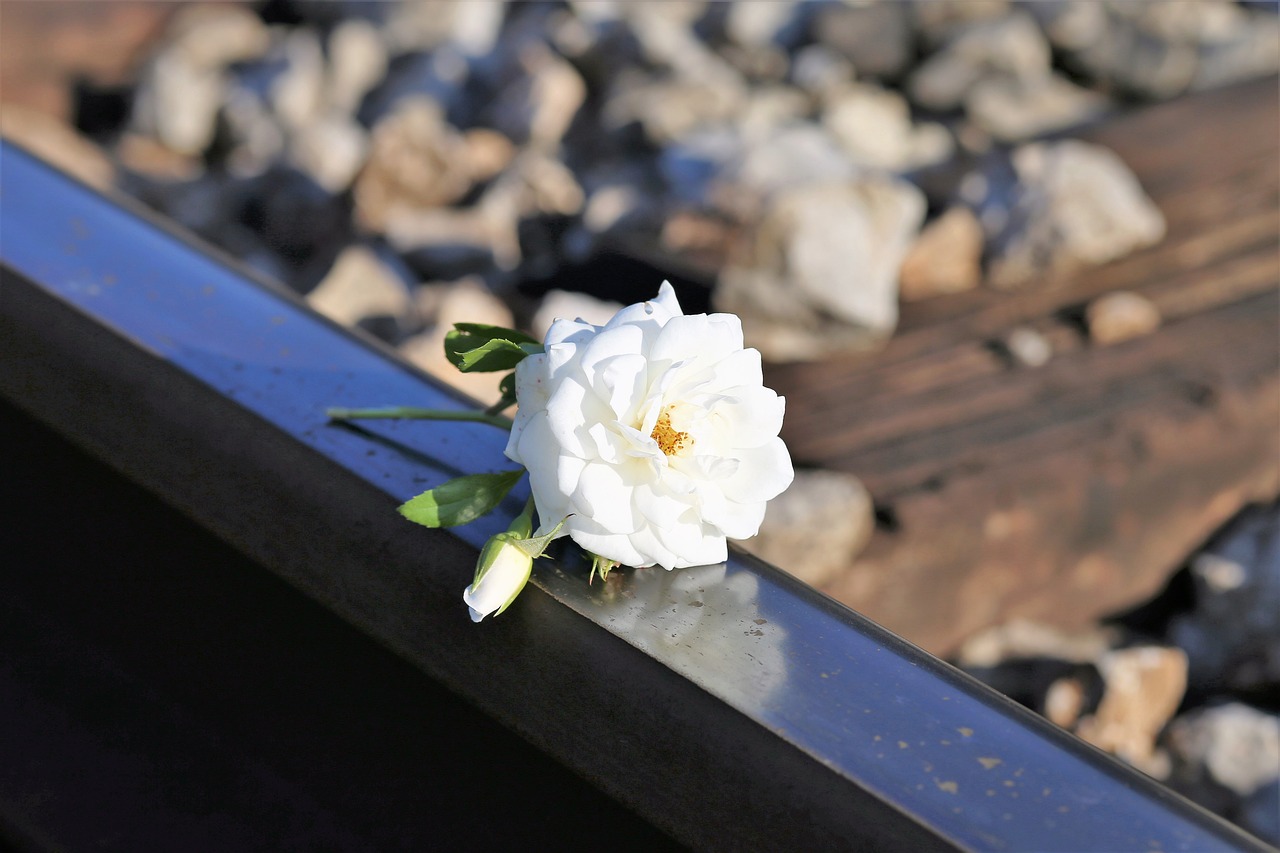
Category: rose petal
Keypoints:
(651, 315)
(695, 544)
(659, 505)
(540, 453)
(573, 331)
(764, 472)
(570, 411)
(605, 497)
(612, 546)
(531, 391)
(619, 381)
(622, 340)
(751, 416)
(735, 520)
(704, 337)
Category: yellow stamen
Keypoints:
(670, 440)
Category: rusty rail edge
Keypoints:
(732, 706)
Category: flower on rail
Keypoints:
(648, 440)
(652, 438)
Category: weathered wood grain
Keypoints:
(1072, 490)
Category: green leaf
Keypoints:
(476, 347)
(460, 500)
(476, 353)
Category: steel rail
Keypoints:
(730, 705)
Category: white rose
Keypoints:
(502, 571)
(653, 434)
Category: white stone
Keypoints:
(360, 285)
(357, 62)
(331, 150)
(1078, 205)
(1012, 109)
(1029, 347)
(1237, 744)
(794, 155)
(874, 126)
(298, 95)
(816, 528)
(820, 273)
(758, 23)
(1011, 46)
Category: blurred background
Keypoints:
(1014, 265)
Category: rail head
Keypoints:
(731, 705)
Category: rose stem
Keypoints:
(409, 412)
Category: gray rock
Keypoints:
(757, 24)
(667, 40)
(1016, 109)
(769, 108)
(874, 126)
(1251, 50)
(876, 38)
(820, 272)
(938, 21)
(1070, 25)
(256, 136)
(794, 155)
(416, 162)
(1159, 49)
(1232, 634)
(182, 88)
(448, 243)
(816, 528)
(1237, 745)
(1008, 47)
(1075, 205)
(1137, 62)
(671, 109)
(818, 69)
(469, 26)
(762, 65)
(538, 103)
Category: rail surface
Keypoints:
(730, 705)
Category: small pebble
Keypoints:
(1029, 347)
(1121, 316)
